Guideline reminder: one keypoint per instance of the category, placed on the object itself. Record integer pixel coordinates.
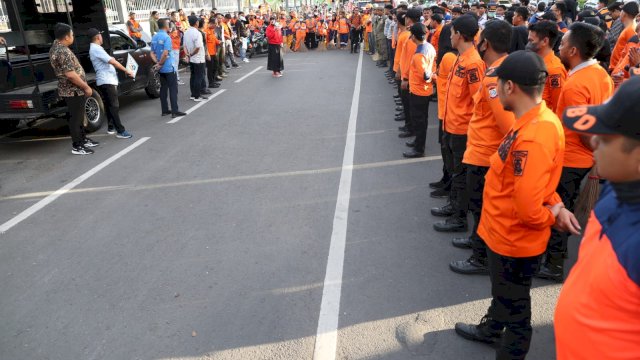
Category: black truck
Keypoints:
(28, 86)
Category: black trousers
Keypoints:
(475, 187)
(109, 95)
(404, 96)
(75, 104)
(197, 76)
(446, 177)
(419, 109)
(568, 189)
(169, 84)
(355, 39)
(392, 53)
(455, 146)
(511, 303)
(212, 69)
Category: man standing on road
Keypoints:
(107, 81)
(135, 30)
(72, 87)
(153, 22)
(356, 30)
(212, 49)
(194, 47)
(520, 206)
(176, 34)
(381, 39)
(163, 57)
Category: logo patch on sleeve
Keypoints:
(493, 92)
(473, 76)
(554, 81)
(519, 162)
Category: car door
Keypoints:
(121, 47)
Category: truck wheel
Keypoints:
(94, 112)
(153, 87)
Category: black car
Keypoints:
(30, 90)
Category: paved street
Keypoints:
(210, 237)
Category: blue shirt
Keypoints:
(160, 42)
(105, 72)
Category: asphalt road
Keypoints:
(211, 238)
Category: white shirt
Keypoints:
(105, 72)
(192, 41)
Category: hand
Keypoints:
(634, 57)
(404, 85)
(567, 222)
(208, 57)
(88, 91)
(156, 67)
(555, 209)
(617, 78)
(130, 73)
(3, 41)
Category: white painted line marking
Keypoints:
(249, 74)
(327, 333)
(79, 180)
(173, 121)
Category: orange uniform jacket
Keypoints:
(435, 37)
(446, 64)
(136, 25)
(623, 64)
(368, 24)
(212, 41)
(421, 66)
(409, 48)
(589, 85)
(311, 25)
(555, 80)
(489, 122)
(522, 179)
(402, 38)
(625, 35)
(463, 82)
(343, 26)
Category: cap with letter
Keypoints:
(523, 67)
(617, 116)
(93, 32)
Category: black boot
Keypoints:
(461, 243)
(443, 211)
(472, 265)
(488, 331)
(453, 224)
(440, 194)
(552, 268)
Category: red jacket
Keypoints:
(274, 36)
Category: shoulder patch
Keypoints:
(460, 72)
(519, 161)
(505, 146)
(493, 91)
(554, 81)
(472, 76)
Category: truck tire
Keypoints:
(153, 87)
(94, 112)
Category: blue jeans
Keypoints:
(392, 53)
(169, 83)
(242, 49)
(176, 61)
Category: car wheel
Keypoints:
(94, 112)
(153, 87)
(8, 125)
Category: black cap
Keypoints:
(457, 10)
(93, 32)
(414, 14)
(615, 6)
(618, 116)
(523, 67)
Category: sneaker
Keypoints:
(166, 113)
(178, 114)
(124, 135)
(81, 150)
(204, 97)
(245, 60)
(197, 99)
(235, 66)
(90, 143)
(111, 130)
(180, 82)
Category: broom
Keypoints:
(588, 197)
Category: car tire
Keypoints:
(8, 125)
(94, 112)
(153, 86)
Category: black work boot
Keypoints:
(552, 269)
(488, 331)
(461, 242)
(452, 224)
(472, 265)
(443, 211)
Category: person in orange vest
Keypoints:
(310, 39)
(630, 11)
(212, 51)
(135, 30)
(630, 59)
(543, 35)
(321, 31)
(343, 30)
(355, 21)
(291, 30)
(301, 33)
(598, 311)
(333, 30)
(587, 84)
(520, 205)
(436, 25)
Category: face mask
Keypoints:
(628, 192)
(532, 47)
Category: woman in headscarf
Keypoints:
(275, 61)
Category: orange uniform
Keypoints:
(521, 181)
(446, 64)
(403, 37)
(555, 80)
(421, 66)
(625, 35)
(489, 122)
(311, 25)
(623, 64)
(463, 82)
(368, 23)
(409, 48)
(343, 26)
(435, 37)
(587, 84)
(212, 41)
(136, 25)
(301, 33)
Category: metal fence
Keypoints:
(4, 18)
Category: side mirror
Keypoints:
(141, 44)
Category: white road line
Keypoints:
(79, 180)
(327, 333)
(173, 121)
(249, 74)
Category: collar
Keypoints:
(530, 115)
(497, 63)
(583, 66)
(628, 192)
(420, 48)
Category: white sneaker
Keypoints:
(245, 60)
(197, 99)
(180, 82)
